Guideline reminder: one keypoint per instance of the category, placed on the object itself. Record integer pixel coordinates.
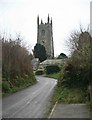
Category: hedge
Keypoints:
(52, 69)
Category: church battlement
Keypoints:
(45, 36)
(41, 22)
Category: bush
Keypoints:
(39, 72)
(17, 69)
(16, 59)
(5, 86)
(72, 76)
(77, 72)
(52, 69)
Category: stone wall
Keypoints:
(53, 62)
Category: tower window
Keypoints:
(43, 32)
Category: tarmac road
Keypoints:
(79, 110)
(32, 102)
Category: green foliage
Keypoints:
(17, 69)
(5, 72)
(17, 84)
(74, 77)
(52, 69)
(39, 72)
(77, 71)
(6, 86)
(69, 95)
(40, 52)
(54, 75)
(72, 95)
(62, 56)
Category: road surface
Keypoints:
(32, 102)
(71, 111)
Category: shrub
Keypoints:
(52, 69)
(16, 59)
(6, 86)
(17, 69)
(78, 72)
(39, 72)
(72, 76)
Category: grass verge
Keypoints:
(54, 75)
(72, 95)
(20, 83)
(90, 109)
(16, 89)
(66, 95)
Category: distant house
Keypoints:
(35, 63)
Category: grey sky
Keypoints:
(20, 16)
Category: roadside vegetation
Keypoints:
(74, 79)
(54, 75)
(76, 75)
(17, 72)
(40, 52)
(0, 86)
(65, 94)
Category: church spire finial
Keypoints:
(48, 18)
(51, 21)
(41, 21)
(38, 20)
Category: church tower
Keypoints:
(45, 36)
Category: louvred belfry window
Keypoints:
(43, 32)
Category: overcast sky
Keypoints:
(20, 16)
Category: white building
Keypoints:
(35, 63)
(53, 62)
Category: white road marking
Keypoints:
(53, 110)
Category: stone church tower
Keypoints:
(45, 36)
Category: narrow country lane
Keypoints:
(32, 102)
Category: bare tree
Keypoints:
(16, 60)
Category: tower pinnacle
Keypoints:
(51, 21)
(38, 20)
(41, 21)
(48, 18)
